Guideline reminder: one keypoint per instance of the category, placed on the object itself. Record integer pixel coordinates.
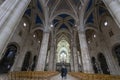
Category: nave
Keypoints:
(38, 37)
(58, 77)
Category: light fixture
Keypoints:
(75, 25)
(34, 36)
(51, 25)
(38, 41)
(89, 42)
(94, 36)
(105, 23)
(24, 24)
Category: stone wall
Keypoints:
(105, 40)
(25, 42)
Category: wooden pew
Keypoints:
(85, 76)
(29, 75)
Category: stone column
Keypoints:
(75, 59)
(71, 56)
(51, 57)
(86, 61)
(114, 8)
(43, 52)
(55, 55)
(5, 10)
(75, 56)
(1, 1)
(71, 61)
(10, 24)
(80, 62)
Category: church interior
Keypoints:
(38, 37)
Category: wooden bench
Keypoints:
(85, 76)
(31, 75)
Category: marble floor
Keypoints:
(58, 77)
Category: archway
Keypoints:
(94, 64)
(63, 50)
(63, 54)
(26, 62)
(8, 59)
(103, 63)
(34, 63)
(117, 53)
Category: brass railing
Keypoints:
(31, 75)
(85, 76)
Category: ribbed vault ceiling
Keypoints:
(62, 14)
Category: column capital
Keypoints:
(46, 28)
(46, 31)
(81, 31)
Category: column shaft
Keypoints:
(43, 53)
(11, 23)
(51, 59)
(71, 62)
(86, 61)
(75, 56)
(75, 59)
(80, 62)
(71, 57)
(55, 60)
(6, 9)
